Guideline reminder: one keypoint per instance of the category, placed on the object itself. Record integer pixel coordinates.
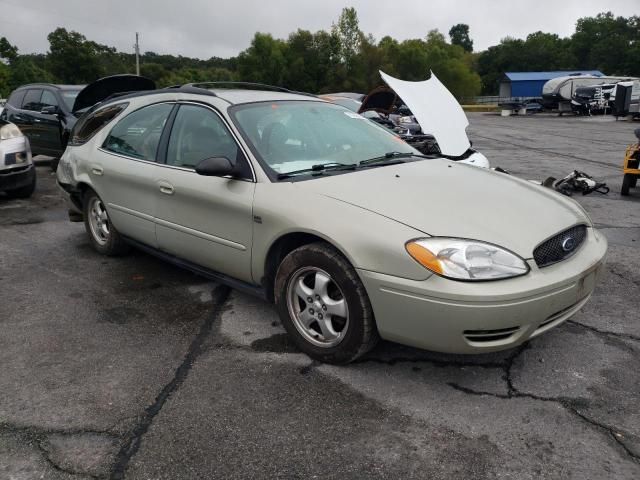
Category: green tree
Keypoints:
(264, 60)
(8, 52)
(459, 35)
(5, 80)
(25, 70)
(73, 59)
(347, 30)
(608, 43)
(538, 52)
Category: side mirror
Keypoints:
(50, 110)
(215, 167)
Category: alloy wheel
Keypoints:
(317, 307)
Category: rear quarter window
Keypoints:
(90, 124)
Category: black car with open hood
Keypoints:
(46, 113)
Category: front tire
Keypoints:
(104, 237)
(323, 305)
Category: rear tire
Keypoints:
(323, 305)
(104, 237)
(23, 192)
(628, 181)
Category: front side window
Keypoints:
(296, 135)
(48, 99)
(90, 124)
(138, 134)
(32, 100)
(199, 133)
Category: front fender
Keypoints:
(368, 240)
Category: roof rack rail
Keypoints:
(246, 85)
(142, 93)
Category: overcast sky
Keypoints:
(206, 28)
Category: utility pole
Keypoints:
(137, 46)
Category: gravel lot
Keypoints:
(131, 368)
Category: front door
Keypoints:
(49, 124)
(206, 220)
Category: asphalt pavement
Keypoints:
(131, 368)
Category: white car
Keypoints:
(17, 172)
(350, 231)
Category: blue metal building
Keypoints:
(529, 84)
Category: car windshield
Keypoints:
(69, 97)
(289, 136)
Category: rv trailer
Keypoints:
(558, 92)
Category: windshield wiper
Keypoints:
(319, 169)
(390, 158)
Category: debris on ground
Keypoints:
(576, 181)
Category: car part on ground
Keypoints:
(576, 181)
(46, 113)
(312, 206)
(17, 171)
(631, 166)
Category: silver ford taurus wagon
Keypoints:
(352, 233)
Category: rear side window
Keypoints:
(90, 124)
(32, 100)
(138, 134)
(15, 100)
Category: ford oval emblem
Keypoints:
(568, 244)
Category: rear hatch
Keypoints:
(105, 87)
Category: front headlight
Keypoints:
(461, 259)
(9, 131)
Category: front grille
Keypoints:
(560, 247)
(11, 171)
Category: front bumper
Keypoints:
(16, 166)
(466, 317)
(17, 177)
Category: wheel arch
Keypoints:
(281, 247)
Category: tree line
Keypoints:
(342, 58)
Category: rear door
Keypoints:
(206, 220)
(124, 171)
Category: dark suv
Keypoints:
(46, 113)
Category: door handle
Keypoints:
(166, 188)
(97, 171)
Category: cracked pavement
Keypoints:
(131, 368)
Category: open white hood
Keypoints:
(436, 110)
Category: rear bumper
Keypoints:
(465, 317)
(73, 197)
